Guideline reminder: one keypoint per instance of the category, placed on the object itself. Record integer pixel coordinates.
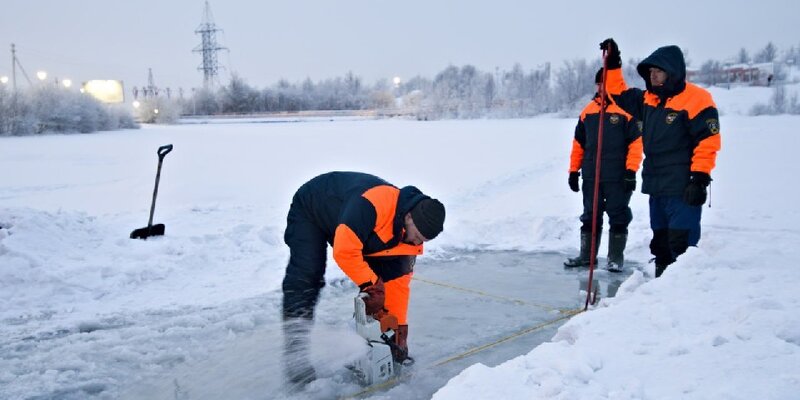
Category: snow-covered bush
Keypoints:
(52, 109)
(781, 102)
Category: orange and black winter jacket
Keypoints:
(361, 215)
(680, 122)
(622, 143)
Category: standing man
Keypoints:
(681, 138)
(376, 231)
(621, 157)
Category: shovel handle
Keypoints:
(164, 150)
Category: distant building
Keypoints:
(760, 74)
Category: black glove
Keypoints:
(573, 181)
(376, 296)
(613, 60)
(695, 193)
(630, 180)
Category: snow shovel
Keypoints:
(150, 229)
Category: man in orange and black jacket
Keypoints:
(376, 231)
(681, 138)
(621, 156)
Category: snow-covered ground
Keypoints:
(86, 311)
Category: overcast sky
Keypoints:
(270, 40)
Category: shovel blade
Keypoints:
(146, 232)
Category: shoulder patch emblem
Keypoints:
(713, 125)
(671, 117)
(613, 118)
(640, 126)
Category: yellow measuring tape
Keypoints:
(482, 293)
(474, 350)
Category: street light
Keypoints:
(396, 81)
(3, 79)
(136, 104)
(42, 75)
(67, 83)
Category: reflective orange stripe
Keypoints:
(594, 108)
(705, 154)
(693, 100)
(576, 157)
(397, 294)
(615, 82)
(347, 254)
(402, 249)
(384, 199)
(634, 159)
(591, 108)
(651, 99)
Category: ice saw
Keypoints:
(378, 365)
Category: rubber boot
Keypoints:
(616, 248)
(582, 260)
(297, 364)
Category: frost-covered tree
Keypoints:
(204, 102)
(539, 93)
(767, 54)
(574, 81)
(793, 55)
(238, 97)
(444, 96)
(462, 92)
(417, 83)
(515, 92)
(710, 73)
(631, 74)
(6, 111)
(743, 57)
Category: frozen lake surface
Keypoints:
(478, 306)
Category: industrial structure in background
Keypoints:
(151, 91)
(210, 65)
(208, 48)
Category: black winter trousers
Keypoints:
(614, 200)
(305, 273)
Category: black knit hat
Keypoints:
(428, 216)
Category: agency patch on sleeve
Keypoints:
(671, 118)
(713, 125)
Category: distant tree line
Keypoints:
(455, 92)
(53, 109)
(710, 71)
